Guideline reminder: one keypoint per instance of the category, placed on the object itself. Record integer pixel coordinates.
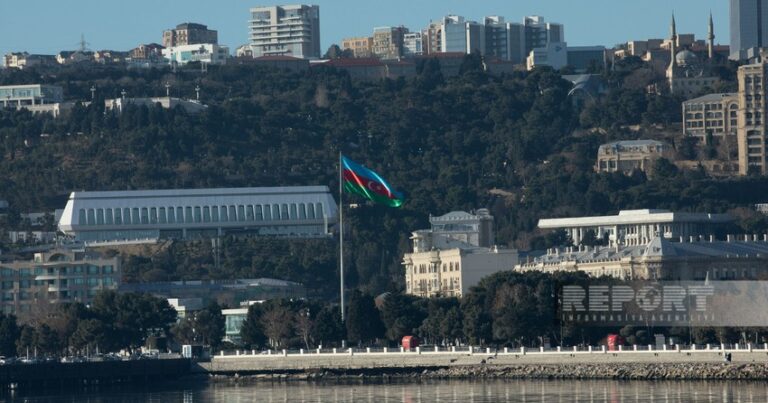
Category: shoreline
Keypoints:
(591, 371)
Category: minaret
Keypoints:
(672, 52)
(711, 39)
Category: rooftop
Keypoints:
(712, 97)
(629, 217)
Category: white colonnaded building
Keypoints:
(120, 216)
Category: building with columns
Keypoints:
(454, 255)
(639, 227)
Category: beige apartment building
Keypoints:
(454, 255)
(60, 275)
(715, 114)
(388, 42)
(361, 46)
(630, 155)
(751, 137)
(189, 33)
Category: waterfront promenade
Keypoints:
(387, 360)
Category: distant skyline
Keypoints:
(48, 26)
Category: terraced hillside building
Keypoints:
(119, 216)
(59, 275)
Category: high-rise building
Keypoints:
(505, 40)
(539, 34)
(388, 41)
(413, 44)
(750, 133)
(749, 28)
(460, 35)
(189, 33)
(291, 30)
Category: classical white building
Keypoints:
(300, 211)
(190, 106)
(454, 255)
(639, 227)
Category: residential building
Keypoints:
(150, 52)
(30, 94)
(583, 58)
(751, 136)
(244, 51)
(432, 38)
(59, 275)
(504, 40)
(110, 57)
(749, 27)
(460, 35)
(554, 55)
(292, 30)
(388, 42)
(21, 60)
(203, 53)
(36, 237)
(74, 56)
(190, 106)
(639, 227)
(361, 47)
(229, 292)
(454, 255)
(630, 155)
(662, 259)
(189, 33)
(540, 34)
(413, 44)
(117, 216)
(711, 114)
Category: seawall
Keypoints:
(597, 364)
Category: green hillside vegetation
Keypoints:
(506, 143)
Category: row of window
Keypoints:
(64, 283)
(200, 214)
(67, 270)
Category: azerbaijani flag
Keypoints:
(364, 182)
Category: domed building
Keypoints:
(687, 75)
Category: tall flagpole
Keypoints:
(341, 233)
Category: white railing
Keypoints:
(471, 350)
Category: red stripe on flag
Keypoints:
(367, 183)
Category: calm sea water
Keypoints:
(447, 391)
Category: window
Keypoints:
(302, 211)
(108, 219)
(171, 215)
(93, 282)
(206, 214)
(81, 218)
(188, 215)
(93, 269)
(311, 211)
(267, 212)
(249, 213)
(259, 213)
(153, 215)
(232, 213)
(126, 216)
(275, 212)
(144, 215)
(284, 212)
(198, 215)
(99, 216)
(91, 217)
(240, 213)
(294, 213)
(224, 215)
(135, 216)
(161, 218)
(319, 210)
(215, 213)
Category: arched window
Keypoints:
(311, 211)
(162, 218)
(215, 213)
(206, 214)
(241, 213)
(294, 212)
(259, 213)
(319, 210)
(224, 215)
(135, 219)
(108, 219)
(127, 216)
(232, 213)
(153, 215)
(275, 212)
(144, 215)
(302, 211)
(198, 214)
(284, 212)
(118, 216)
(99, 216)
(267, 212)
(249, 213)
(91, 217)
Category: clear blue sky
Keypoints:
(47, 26)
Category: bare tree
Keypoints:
(277, 323)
